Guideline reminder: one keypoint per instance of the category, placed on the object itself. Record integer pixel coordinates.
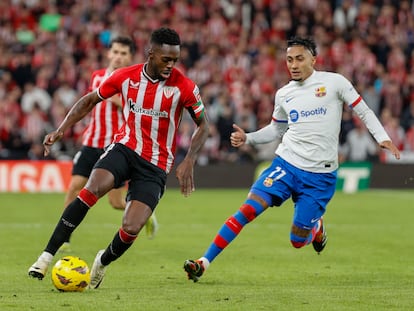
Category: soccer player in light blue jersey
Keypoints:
(307, 116)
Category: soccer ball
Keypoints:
(70, 274)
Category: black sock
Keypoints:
(72, 216)
(114, 250)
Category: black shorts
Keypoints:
(146, 182)
(85, 160)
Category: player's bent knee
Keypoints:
(297, 244)
(132, 228)
(248, 211)
(297, 241)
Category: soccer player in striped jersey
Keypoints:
(154, 97)
(307, 116)
(105, 120)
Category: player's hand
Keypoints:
(50, 139)
(238, 137)
(387, 144)
(184, 174)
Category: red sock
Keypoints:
(126, 237)
(87, 197)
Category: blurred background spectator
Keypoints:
(359, 146)
(233, 49)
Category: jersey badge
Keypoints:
(268, 182)
(320, 91)
(168, 91)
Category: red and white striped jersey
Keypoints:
(152, 110)
(106, 117)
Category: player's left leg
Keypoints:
(315, 191)
(320, 238)
(117, 200)
(135, 216)
(145, 189)
(300, 236)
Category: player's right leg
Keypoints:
(268, 190)
(253, 207)
(83, 163)
(99, 183)
(195, 268)
(77, 182)
(72, 216)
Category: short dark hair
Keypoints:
(308, 43)
(165, 35)
(124, 40)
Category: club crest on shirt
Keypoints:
(320, 91)
(168, 91)
(268, 182)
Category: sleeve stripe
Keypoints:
(99, 94)
(279, 121)
(356, 102)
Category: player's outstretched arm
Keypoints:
(78, 111)
(387, 144)
(267, 134)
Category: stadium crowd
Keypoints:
(233, 49)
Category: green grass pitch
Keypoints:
(368, 263)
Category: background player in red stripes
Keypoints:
(154, 97)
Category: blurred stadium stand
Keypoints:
(234, 50)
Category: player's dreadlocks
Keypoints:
(308, 43)
(165, 36)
